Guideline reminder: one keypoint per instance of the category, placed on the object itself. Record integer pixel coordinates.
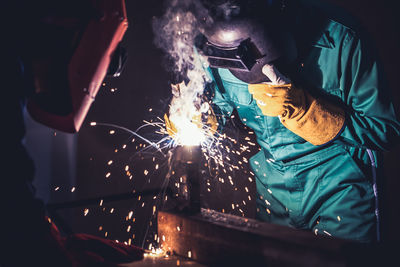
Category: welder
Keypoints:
(56, 56)
(314, 93)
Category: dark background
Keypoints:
(81, 160)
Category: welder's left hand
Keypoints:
(203, 120)
(314, 119)
(209, 124)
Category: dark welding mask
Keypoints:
(69, 57)
(243, 36)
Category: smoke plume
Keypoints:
(174, 33)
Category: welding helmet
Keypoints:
(244, 35)
(72, 46)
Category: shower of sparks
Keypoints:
(224, 162)
(224, 158)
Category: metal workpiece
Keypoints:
(219, 239)
(184, 177)
(190, 155)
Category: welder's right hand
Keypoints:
(311, 117)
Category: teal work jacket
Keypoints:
(326, 188)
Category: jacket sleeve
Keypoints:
(221, 106)
(213, 90)
(370, 117)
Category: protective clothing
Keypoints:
(87, 250)
(326, 188)
(169, 126)
(315, 120)
(211, 123)
(73, 61)
(243, 36)
(28, 238)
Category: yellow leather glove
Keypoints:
(169, 126)
(211, 124)
(314, 119)
(211, 121)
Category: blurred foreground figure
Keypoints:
(56, 56)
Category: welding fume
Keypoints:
(307, 85)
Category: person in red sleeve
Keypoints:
(56, 55)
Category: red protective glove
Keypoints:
(87, 250)
(93, 249)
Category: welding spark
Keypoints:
(190, 119)
(152, 144)
(188, 133)
(194, 124)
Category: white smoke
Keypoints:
(174, 33)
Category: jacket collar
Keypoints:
(324, 41)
